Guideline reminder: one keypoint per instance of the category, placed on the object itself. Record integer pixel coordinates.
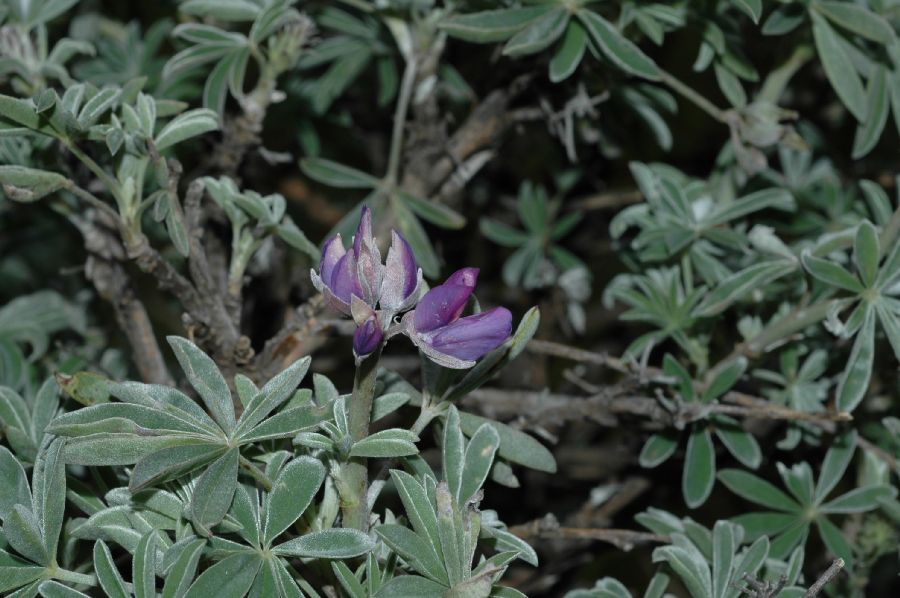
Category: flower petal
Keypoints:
(344, 281)
(443, 304)
(363, 230)
(400, 275)
(464, 276)
(332, 251)
(366, 338)
(370, 270)
(471, 337)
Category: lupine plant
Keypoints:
(449, 298)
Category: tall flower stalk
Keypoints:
(355, 282)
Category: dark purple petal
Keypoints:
(464, 276)
(471, 337)
(364, 230)
(401, 274)
(344, 281)
(367, 337)
(443, 304)
(331, 253)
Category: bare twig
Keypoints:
(695, 98)
(774, 411)
(548, 409)
(824, 579)
(608, 200)
(256, 473)
(222, 330)
(575, 354)
(547, 528)
(242, 133)
(762, 589)
(880, 453)
(744, 405)
(167, 277)
(104, 269)
(301, 334)
(485, 125)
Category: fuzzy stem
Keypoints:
(354, 474)
(407, 86)
(777, 81)
(689, 94)
(92, 200)
(256, 474)
(73, 577)
(111, 184)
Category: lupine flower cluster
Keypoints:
(356, 283)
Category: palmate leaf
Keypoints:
(839, 67)
(877, 108)
(29, 184)
(395, 442)
(261, 563)
(337, 175)
(790, 525)
(753, 8)
(539, 34)
(857, 19)
(292, 493)
(872, 306)
(757, 490)
(441, 545)
(32, 527)
(492, 25)
(617, 48)
(224, 10)
(107, 574)
(327, 544)
(229, 578)
(699, 473)
(23, 422)
(569, 54)
(710, 564)
(186, 125)
(166, 435)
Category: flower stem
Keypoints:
(256, 474)
(93, 200)
(111, 184)
(354, 474)
(73, 577)
(407, 87)
(689, 94)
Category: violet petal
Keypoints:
(363, 230)
(366, 338)
(471, 337)
(344, 281)
(401, 273)
(331, 253)
(443, 304)
(370, 271)
(464, 276)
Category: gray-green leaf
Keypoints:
(620, 50)
(332, 543)
(204, 375)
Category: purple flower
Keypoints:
(367, 337)
(436, 328)
(356, 283)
